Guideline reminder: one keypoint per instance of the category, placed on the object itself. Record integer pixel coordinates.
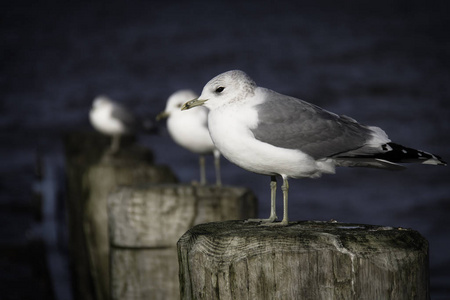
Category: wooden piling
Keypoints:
(146, 223)
(305, 260)
(92, 173)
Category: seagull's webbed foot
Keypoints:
(273, 215)
(269, 220)
(276, 224)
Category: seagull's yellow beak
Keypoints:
(193, 103)
(162, 115)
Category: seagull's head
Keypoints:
(225, 88)
(175, 102)
(101, 101)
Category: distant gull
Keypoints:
(113, 119)
(269, 133)
(189, 129)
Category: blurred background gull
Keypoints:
(385, 63)
(189, 129)
(112, 119)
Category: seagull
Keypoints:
(269, 133)
(113, 119)
(189, 129)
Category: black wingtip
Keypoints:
(401, 154)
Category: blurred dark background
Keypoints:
(385, 63)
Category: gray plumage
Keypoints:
(291, 123)
(130, 122)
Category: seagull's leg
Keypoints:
(285, 189)
(217, 167)
(273, 195)
(201, 161)
(115, 142)
(285, 221)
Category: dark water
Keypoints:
(385, 63)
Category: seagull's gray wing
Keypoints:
(125, 116)
(291, 123)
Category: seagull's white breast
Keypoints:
(188, 129)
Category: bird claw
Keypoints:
(275, 224)
(262, 221)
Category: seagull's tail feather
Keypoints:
(389, 158)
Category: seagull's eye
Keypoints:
(179, 105)
(219, 89)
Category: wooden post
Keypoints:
(305, 260)
(91, 175)
(146, 223)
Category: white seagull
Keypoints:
(189, 129)
(269, 133)
(113, 119)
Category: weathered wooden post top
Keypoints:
(304, 260)
(145, 223)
